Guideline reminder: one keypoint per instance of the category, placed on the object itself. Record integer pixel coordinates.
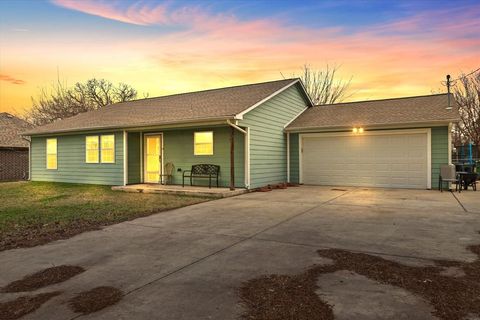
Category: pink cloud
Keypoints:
(4, 77)
(139, 14)
(411, 52)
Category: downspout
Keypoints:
(125, 158)
(246, 133)
(288, 157)
(29, 157)
(450, 143)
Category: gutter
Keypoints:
(140, 126)
(246, 133)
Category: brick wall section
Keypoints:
(13, 164)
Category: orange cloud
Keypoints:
(4, 77)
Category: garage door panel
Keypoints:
(391, 160)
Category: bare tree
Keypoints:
(323, 85)
(467, 95)
(60, 101)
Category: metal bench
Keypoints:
(202, 171)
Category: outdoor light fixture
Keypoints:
(357, 130)
(360, 130)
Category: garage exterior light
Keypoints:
(357, 130)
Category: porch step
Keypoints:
(179, 190)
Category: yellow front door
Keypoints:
(153, 158)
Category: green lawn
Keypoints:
(33, 213)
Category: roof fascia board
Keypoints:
(179, 125)
(240, 115)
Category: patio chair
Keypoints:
(448, 174)
(166, 177)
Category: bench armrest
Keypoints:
(186, 171)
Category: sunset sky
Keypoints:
(390, 48)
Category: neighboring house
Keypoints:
(13, 148)
(270, 132)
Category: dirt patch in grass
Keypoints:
(96, 299)
(42, 234)
(43, 278)
(24, 305)
(293, 297)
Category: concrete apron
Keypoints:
(188, 263)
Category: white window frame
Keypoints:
(101, 149)
(195, 143)
(46, 153)
(98, 149)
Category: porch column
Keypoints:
(232, 158)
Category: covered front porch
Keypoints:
(156, 159)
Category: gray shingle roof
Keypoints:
(10, 129)
(408, 110)
(212, 104)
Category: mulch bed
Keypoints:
(96, 299)
(21, 306)
(43, 278)
(43, 234)
(293, 297)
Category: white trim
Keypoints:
(247, 156)
(141, 156)
(294, 118)
(450, 143)
(427, 131)
(429, 158)
(411, 125)
(125, 158)
(239, 116)
(300, 158)
(246, 139)
(288, 157)
(365, 133)
(145, 135)
(30, 160)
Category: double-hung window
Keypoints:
(100, 149)
(52, 153)
(108, 148)
(91, 149)
(203, 143)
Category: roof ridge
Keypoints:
(384, 99)
(206, 90)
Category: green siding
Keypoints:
(439, 144)
(71, 166)
(178, 149)
(439, 152)
(268, 160)
(294, 158)
(133, 158)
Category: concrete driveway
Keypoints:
(188, 263)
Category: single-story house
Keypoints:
(13, 148)
(259, 134)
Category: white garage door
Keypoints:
(373, 159)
